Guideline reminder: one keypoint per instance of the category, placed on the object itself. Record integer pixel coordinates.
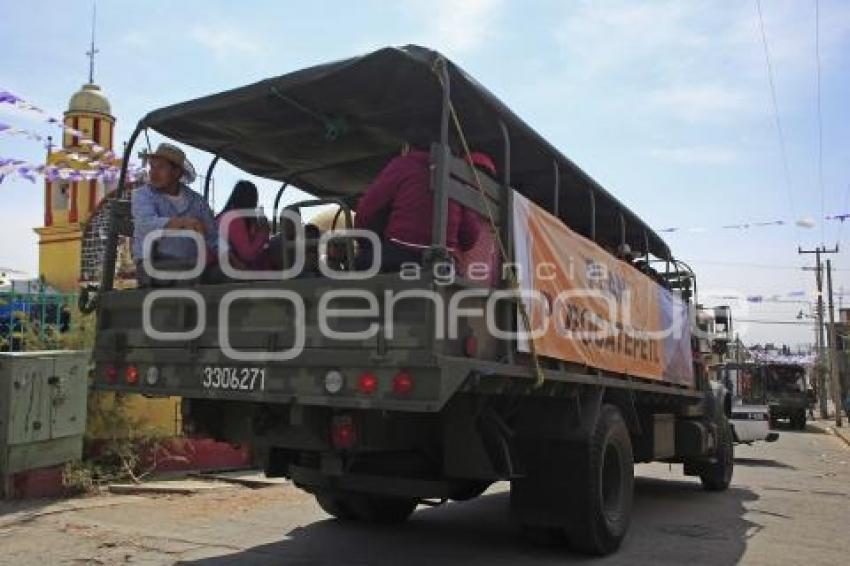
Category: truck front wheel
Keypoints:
(718, 475)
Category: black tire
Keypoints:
(603, 496)
(368, 508)
(469, 490)
(801, 421)
(335, 505)
(718, 475)
(384, 510)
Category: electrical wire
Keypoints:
(777, 120)
(780, 134)
(792, 322)
(754, 265)
(820, 120)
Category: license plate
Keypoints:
(234, 378)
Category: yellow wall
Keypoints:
(152, 417)
(59, 256)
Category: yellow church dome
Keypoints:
(90, 99)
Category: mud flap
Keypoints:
(554, 438)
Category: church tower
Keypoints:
(68, 204)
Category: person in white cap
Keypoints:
(167, 203)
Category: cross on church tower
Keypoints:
(92, 50)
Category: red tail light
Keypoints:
(367, 383)
(131, 374)
(343, 433)
(402, 383)
(111, 373)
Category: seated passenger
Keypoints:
(644, 267)
(165, 202)
(398, 206)
(282, 246)
(246, 233)
(624, 253)
(311, 250)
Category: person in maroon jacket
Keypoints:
(399, 207)
(246, 234)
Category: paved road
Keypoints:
(790, 504)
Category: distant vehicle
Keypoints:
(748, 411)
(745, 404)
(787, 393)
(410, 412)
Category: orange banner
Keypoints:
(588, 307)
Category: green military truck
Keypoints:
(786, 393)
(389, 399)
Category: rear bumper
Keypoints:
(786, 410)
(281, 384)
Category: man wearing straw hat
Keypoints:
(166, 202)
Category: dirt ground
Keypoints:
(789, 504)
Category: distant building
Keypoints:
(72, 240)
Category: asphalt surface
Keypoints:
(789, 504)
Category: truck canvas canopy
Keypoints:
(330, 128)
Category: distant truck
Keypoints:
(745, 402)
(787, 393)
(564, 366)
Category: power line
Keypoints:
(793, 322)
(778, 121)
(820, 121)
(753, 265)
(780, 134)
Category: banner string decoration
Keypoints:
(790, 297)
(6, 97)
(100, 161)
(802, 223)
(12, 131)
(29, 171)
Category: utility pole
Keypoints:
(833, 352)
(821, 377)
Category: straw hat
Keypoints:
(174, 155)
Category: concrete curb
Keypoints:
(178, 487)
(842, 433)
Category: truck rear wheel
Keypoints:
(603, 497)
(363, 507)
(379, 509)
(335, 505)
(469, 490)
(718, 475)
